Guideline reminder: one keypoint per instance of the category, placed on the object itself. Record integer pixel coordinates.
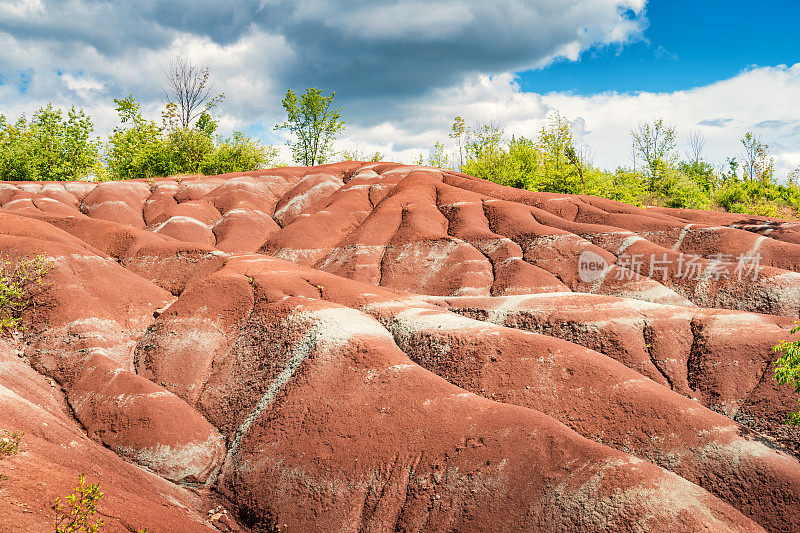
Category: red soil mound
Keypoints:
(382, 347)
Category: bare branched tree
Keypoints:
(190, 90)
(697, 143)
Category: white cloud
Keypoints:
(377, 54)
(763, 100)
(83, 86)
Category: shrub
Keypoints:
(682, 191)
(139, 148)
(20, 281)
(49, 146)
(238, 154)
(76, 514)
(357, 154)
(787, 369)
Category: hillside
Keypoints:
(379, 347)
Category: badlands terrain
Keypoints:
(380, 347)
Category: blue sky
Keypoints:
(685, 44)
(403, 69)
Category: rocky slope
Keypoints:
(383, 347)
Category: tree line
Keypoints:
(58, 145)
(554, 161)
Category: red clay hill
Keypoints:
(380, 347)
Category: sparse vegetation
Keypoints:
(140, 148)
(53, 145)
(787, 369)
(359, 155)
(9, 445)
(76, 513)
(21, 279)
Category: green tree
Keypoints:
(437, 157)
(137, 148)
(562, 164)
(655, 144)
(313, 123)
(757, 164)
(49, 146)
(554, 140)
(579, 158)
(460, 133)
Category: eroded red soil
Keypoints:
(382, 347)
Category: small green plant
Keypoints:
(20, 279)
(76, 513)
(787, 369)
(9, 443)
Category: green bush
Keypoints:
(238, 154)
(49, 146)
(758, 198)
(139, 148)
(682, 191)
(76, 513)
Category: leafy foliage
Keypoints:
(787, 369)
(655, 143)
(756, 164)
(313, 123)
(555, 162)
(437, 157)
(20, 281)
(76, 513)
(139, 148)
(49, 146)
(238, 154)
(136, 149)
(458, 132)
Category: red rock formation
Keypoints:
(381, 347)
